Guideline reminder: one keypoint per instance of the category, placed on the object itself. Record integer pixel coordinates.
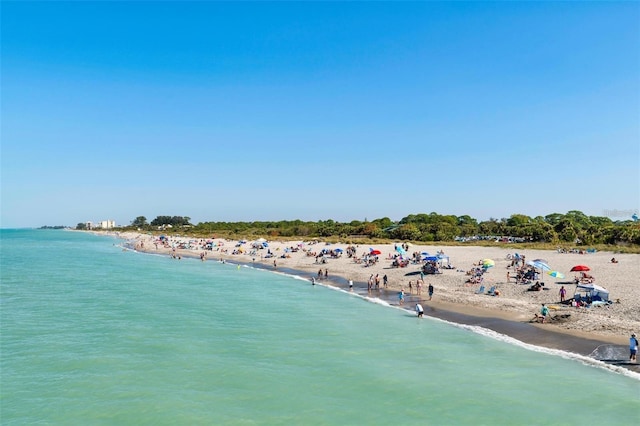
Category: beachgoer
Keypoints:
(430, 288)
(401, 296)
(508, 276)
(419, 310)
(563, 293)
(313, 280)
(633, 347)
(320, 273)
(385, 280)
(350, 285)
(410, 287)
(326, 272)
(544, 312)
(275, 265)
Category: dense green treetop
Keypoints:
(572, 227)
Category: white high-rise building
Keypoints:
(107, 224)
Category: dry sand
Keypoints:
(453, 298)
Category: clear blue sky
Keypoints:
(313, 111)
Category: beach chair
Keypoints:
(492, 291)
(480, 290)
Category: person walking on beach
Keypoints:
(633, 347)
(430, 288)
(563, 293)
(350, 285)
(419, 310)
(410, 287)
(326, 272)
(385, 280)
(401, 297)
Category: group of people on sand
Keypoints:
(523, 274)
(374, 282)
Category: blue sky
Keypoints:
(280, 111)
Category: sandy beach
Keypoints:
(579, 329)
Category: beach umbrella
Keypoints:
(540, 260)
(431, 258)
(580, 268)
(424, 253)
(539, 264)
(556, 274)
(375, 252)
(338, 250)
(488, 263)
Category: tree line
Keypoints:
(571, 227)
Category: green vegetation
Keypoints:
(554, 230)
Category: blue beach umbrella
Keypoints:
(539, 264)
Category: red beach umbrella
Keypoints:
(580, 268)
(375, 252)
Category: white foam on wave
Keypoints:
(592, 362)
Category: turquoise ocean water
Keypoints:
(92, 334)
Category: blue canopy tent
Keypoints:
(440, 259)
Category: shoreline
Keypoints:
(512, 323)
(545, 335)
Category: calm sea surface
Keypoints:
(92, 334)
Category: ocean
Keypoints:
(94, 334)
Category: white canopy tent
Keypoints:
(593, 291)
